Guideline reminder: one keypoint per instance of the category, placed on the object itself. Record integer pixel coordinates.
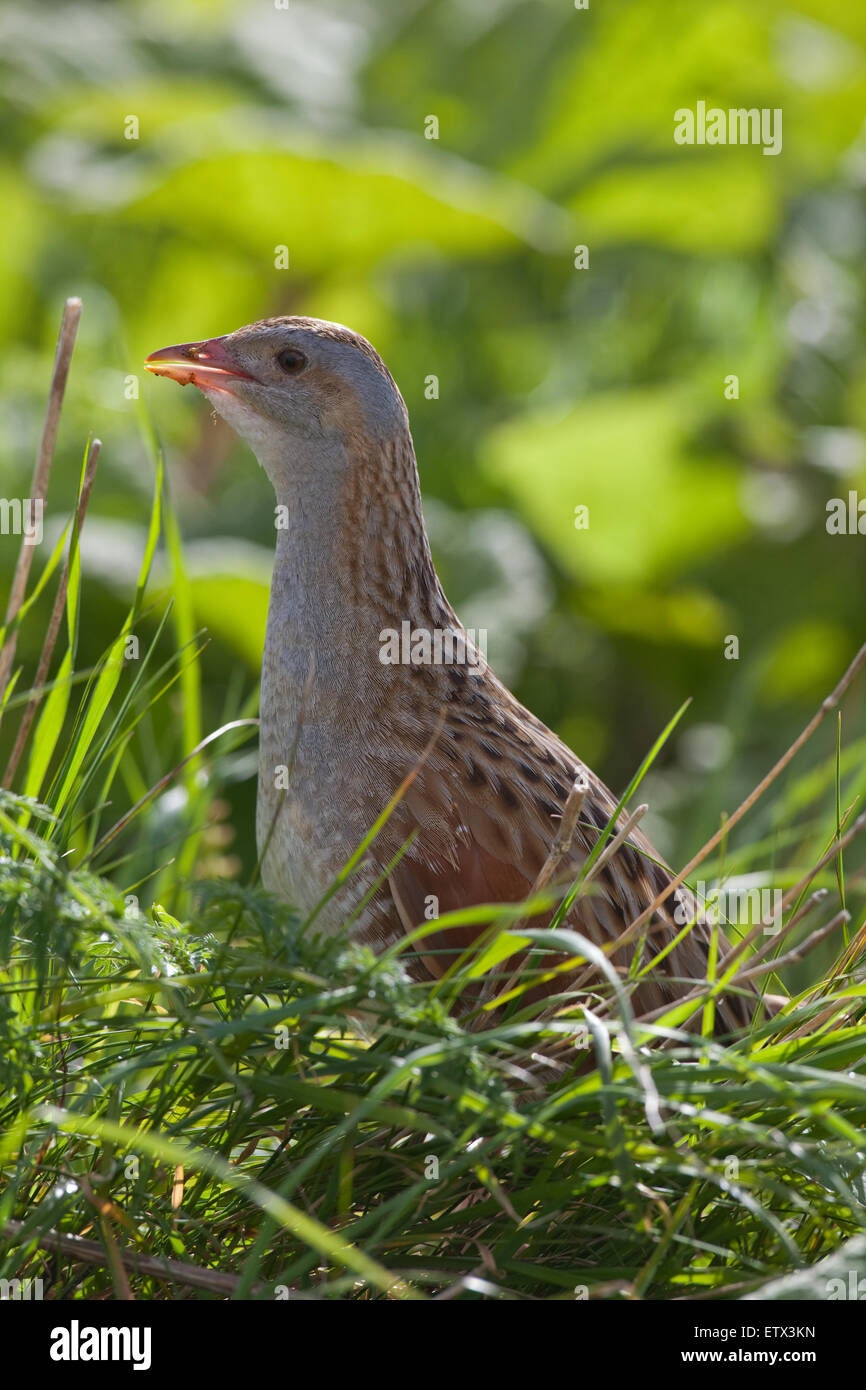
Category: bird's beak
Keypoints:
(208, 364)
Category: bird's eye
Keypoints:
(291, 361)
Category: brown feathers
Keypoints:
(347, 713)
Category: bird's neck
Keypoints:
(352, 560)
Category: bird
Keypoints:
(352, 725)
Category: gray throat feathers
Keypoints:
(352, 559)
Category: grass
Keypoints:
(207, 1099)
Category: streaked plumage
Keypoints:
(344, 729)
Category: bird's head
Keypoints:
(292, 387)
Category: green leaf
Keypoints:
(654, 504)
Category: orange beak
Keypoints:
(207, 365)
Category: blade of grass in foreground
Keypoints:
(512, 989)
(50, 727)
(330, 1245)
(598, 847)
(99, 697)
(190, 682)
(840, 872)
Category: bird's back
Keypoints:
(484, 809)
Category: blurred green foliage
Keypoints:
(558, 387)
